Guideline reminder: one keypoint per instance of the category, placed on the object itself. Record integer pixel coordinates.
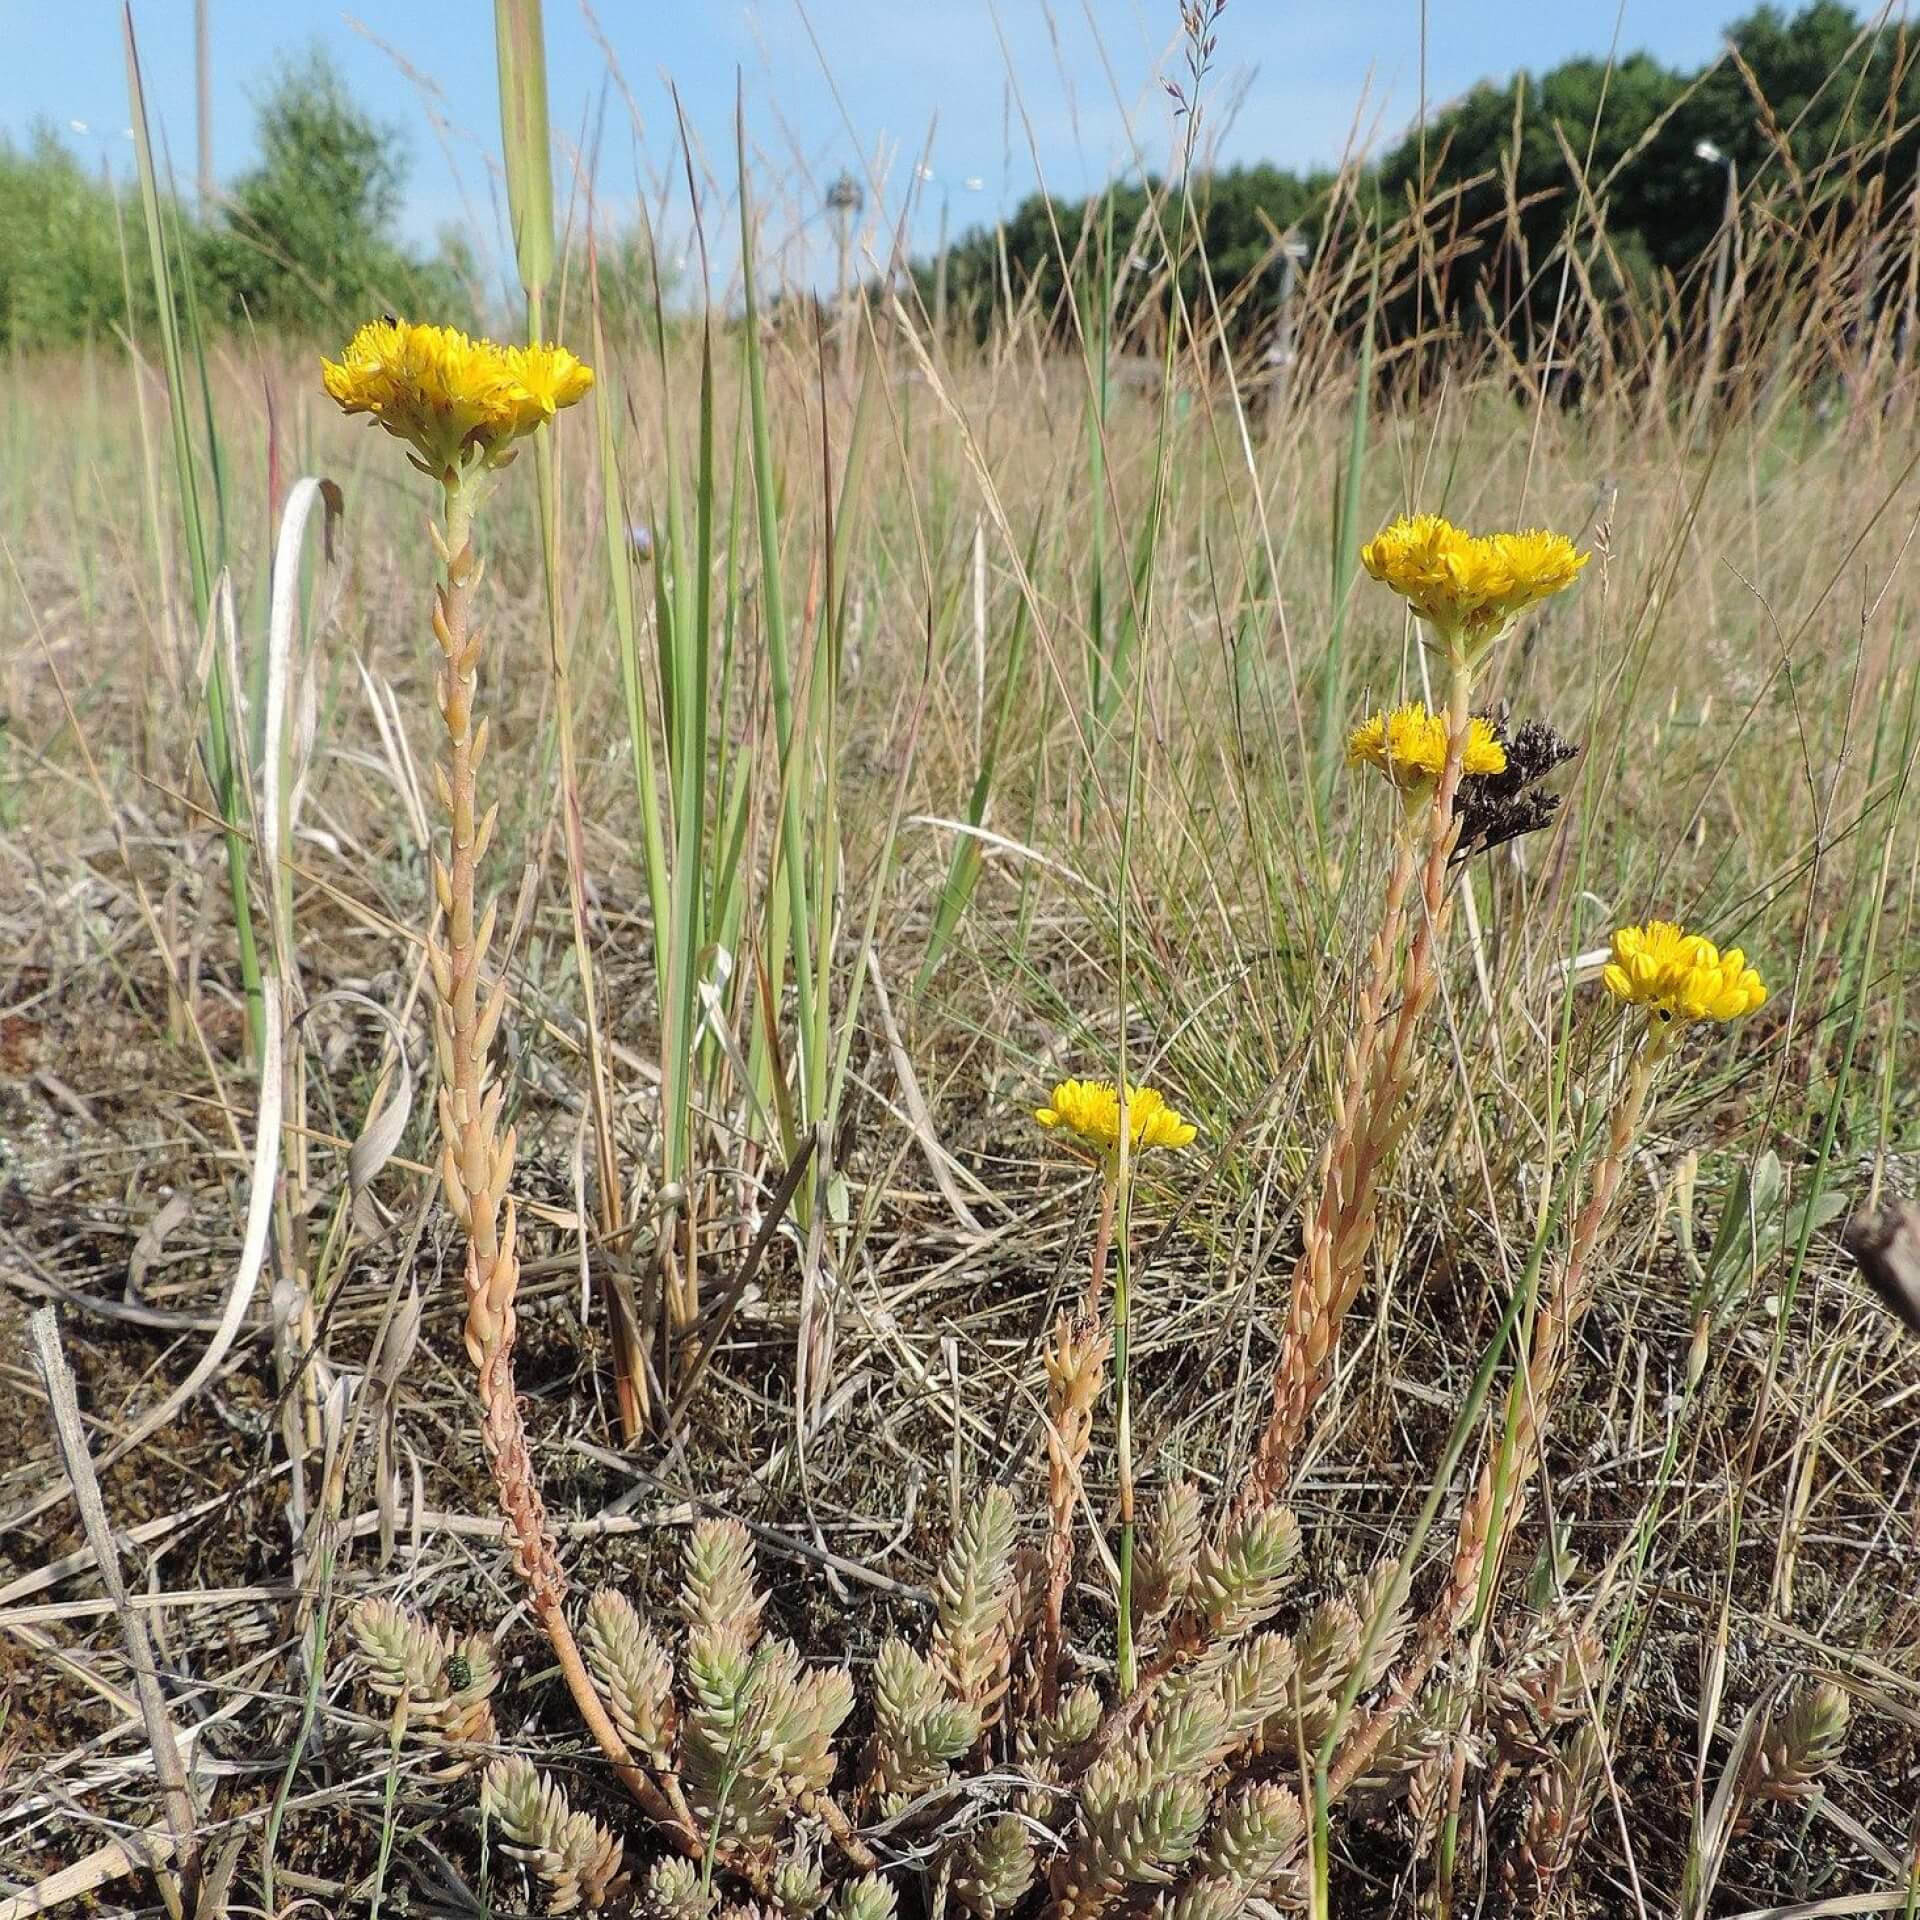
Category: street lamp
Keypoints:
(973, 184)
(1723, 264)
(1293, 252)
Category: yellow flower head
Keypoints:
(449, 395)
(1469, 586)
(1090, 1111)
(545, 380)
(1409, 745)
(1680, 976)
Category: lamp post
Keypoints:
(1280, 356)
(1729, 220)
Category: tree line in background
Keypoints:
(304, 237)
(1811, 113)
(306, 241)
(1810, 106)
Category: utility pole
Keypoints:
(203, 100)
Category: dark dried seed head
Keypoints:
(1497, 807)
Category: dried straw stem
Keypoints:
(831, 1815)
(1367, 1122)
(476, 1160)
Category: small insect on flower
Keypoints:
(1470, 587)
(1680, 976)
(1409, 745)
(1089, 1110)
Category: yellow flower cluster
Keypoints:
(1409, 745)
(451, 396)
(1680, 975)
(1470, 586)
(1090, 1110)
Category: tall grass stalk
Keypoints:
(687, 687)
(964, 867)
(520, 43)
(1348, 526)
(790, 921)
(217, 736)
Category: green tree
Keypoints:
(59, 255)
(1501, 188)
(1818, 116)
(306, 236)
(1242, 213)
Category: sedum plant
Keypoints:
(463, 407)
(1796, 1749)
(441, 1690)
(1174, 1800)
(573, 1857)
(1467, 591)
(985, 1767)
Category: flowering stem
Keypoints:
(1420, 979)
(1075, 1371)
(1491, 1506)
(1123, 1375)
(1102, 1239)
(476, 1162)
(1367, 1120)
(1116, 1194)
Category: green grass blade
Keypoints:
(963, 871)
(790, 857)
(1346, 552)
(218, 736)
(626, 628)
(521, 44)
(687, 939)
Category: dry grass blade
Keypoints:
(149, 1852)
(246, 1275)
(64, 1407)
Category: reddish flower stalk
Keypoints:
(1368, 1118)
(476, 1159)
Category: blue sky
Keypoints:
(1011, 92)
